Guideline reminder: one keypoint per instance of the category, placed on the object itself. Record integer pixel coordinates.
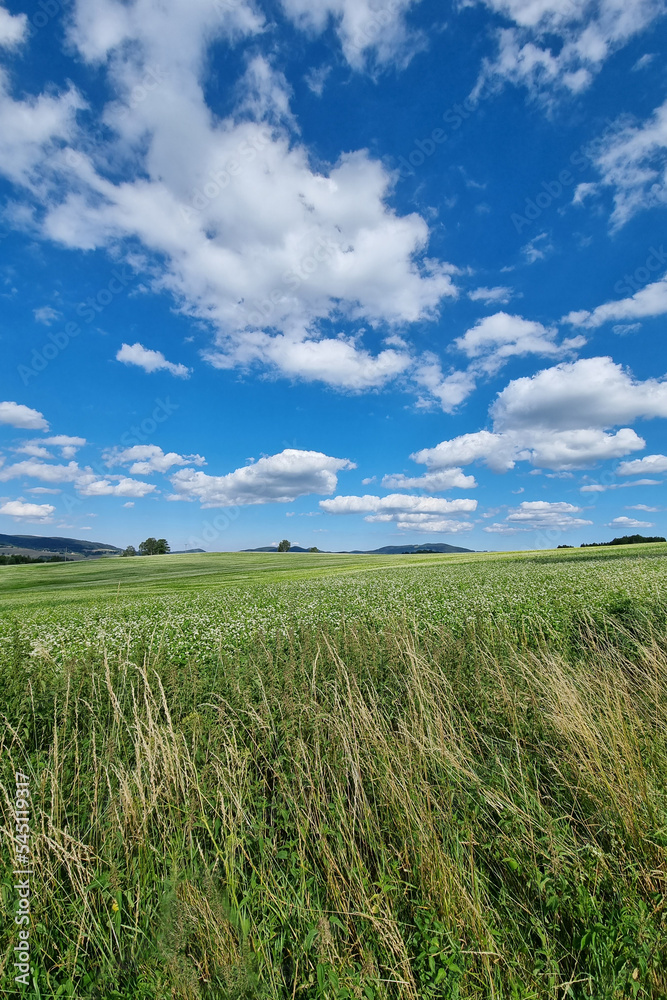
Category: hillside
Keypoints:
(45, 545)
(386, 550)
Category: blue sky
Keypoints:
(349, 272)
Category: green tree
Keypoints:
(284, 546)
(314, 549)
(129, 551)
(154, 547)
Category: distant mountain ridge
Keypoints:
(386, 550)
(56, 545)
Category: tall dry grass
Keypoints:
(349, 815)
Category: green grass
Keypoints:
(331, 777)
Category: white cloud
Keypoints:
(274, 479)
(396, 503)
(592, 392)
(130, 503)
(408, 513)
(449, 390)
(36, 469)
(631, 162)
(629, 522)
(46, 315)
(538, 248)
(500, 295)
(648, 301)
(438, 482)
(603, 487)
(68, 444)
(18, 509)
(368, 31)
(35, 449)
(539, 515)
(42, 490)
(644, 507)
(496, 338)
(123, 488)
(18, 415)
(13, 29)
(650, 463)
(150, 361)
(144, 459)
(553, 44)
(196, 188)
(31, 130)
(559, 419)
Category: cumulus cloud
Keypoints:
(85, 481)
(36, 469)
(67, 444)
(150, 361)
(21, 511)
(408, 513)
(438, 482)
(123, 488)
(272, 287)
(396, 503)
(648, 301)
(144, 459)
(496, 338)
(550, 45)
(650, 463)
(592, 392)
(561, 418)
(629, 522)
(18, 415)
(274, 479)
(540, 515)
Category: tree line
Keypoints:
(149, 547)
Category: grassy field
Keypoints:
(327, 776)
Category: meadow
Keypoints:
(322, 776)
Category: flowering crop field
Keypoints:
(324, 776)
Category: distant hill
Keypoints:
(386, 550)
(185, 552)
(46, 545)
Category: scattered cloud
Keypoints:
(13, 29)
(150, 361)
(144, 459)
(371, 34)
(540, 515)
(648, 301)
(644, 507)
(438, 482)
(650, 463)
(554, 46)
(629, 522)
(274, 479)
(408, 513)
(18, 415)
(604, 487)
(538, 248)
(123, 488)
(496, 338)
(46, 315)
(631, 162)
(499, 295)
(21, 511)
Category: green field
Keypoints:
(330, 776)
